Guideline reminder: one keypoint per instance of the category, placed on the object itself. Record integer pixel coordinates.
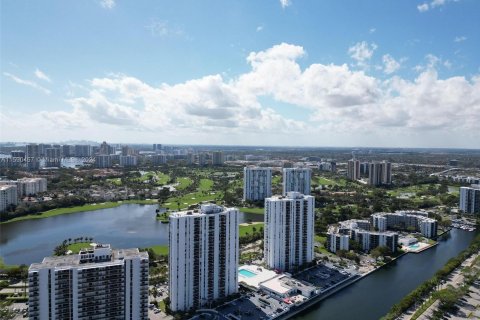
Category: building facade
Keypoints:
(128, 161)
(8, 197)
(203, 256)
(297, 179)
(470, 199)
(103, 161)
(406, 221)
(217, 158)
(353, 169)
(289, 230)
(257, 183)
(97, 283)
(380, 173)
(336, 240)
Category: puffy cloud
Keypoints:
(285, 3)
(362, 52)
(460, 39)
(433, 4)
(28, 83)
(336, 99)
(423, 7)
(41, 75)
(390, 64)
(107, 4)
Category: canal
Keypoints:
(372, 297)
(126, 226)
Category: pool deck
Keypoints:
(422, 246)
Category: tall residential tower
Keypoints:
(289, 230)
(203, 257)
(257, 183)
(296, 179)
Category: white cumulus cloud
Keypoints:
(390, 64)
(361, 52)
(107, 4)
(285, 3)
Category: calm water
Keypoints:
(126, 226)
(372, 297)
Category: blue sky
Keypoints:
(317, 73)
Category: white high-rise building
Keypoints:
(353, 169)
(257, 183)
(386, 173)
(27, 186)
(97, 283)
(128, 161)
(470, 199)
(336, 240)
(297, 179)
(103, 161)
(289, 230)
(203, 256)
(8, 196)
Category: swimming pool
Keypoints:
(246, 273)
(414, 246)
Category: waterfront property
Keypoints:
(74, 286)
(406, 220)
(470, 199)
(272, 295)
(203, 257)
(289, 234)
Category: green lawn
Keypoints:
(331, 182)
(183, 183)
(204, 193)
(76, 247)
(161, 178)
(115, 181)
(160, 249)
(249, 229)
(205, 185)
(87, 207)
(252, 210)
(161, 305)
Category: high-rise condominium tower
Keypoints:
(203, 257)
(257, 183)
(297, 179)
(289, 233)
(97, 283)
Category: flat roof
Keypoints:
(278, 284)
(260, 275)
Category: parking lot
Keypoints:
(255, 306)
(324, 277)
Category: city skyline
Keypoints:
(271, 73)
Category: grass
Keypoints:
(205, 185)
(203, 194)
(161, 305)
(160, 249)
(423, 308)
(331, 182)
(86, 207)
(249, 229)
(76, 247)
(252, 210)
(161, 178)
(115, 181)
(183, 183)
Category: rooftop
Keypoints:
(85, 257)
(205, 209)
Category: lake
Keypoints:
(126, 226)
